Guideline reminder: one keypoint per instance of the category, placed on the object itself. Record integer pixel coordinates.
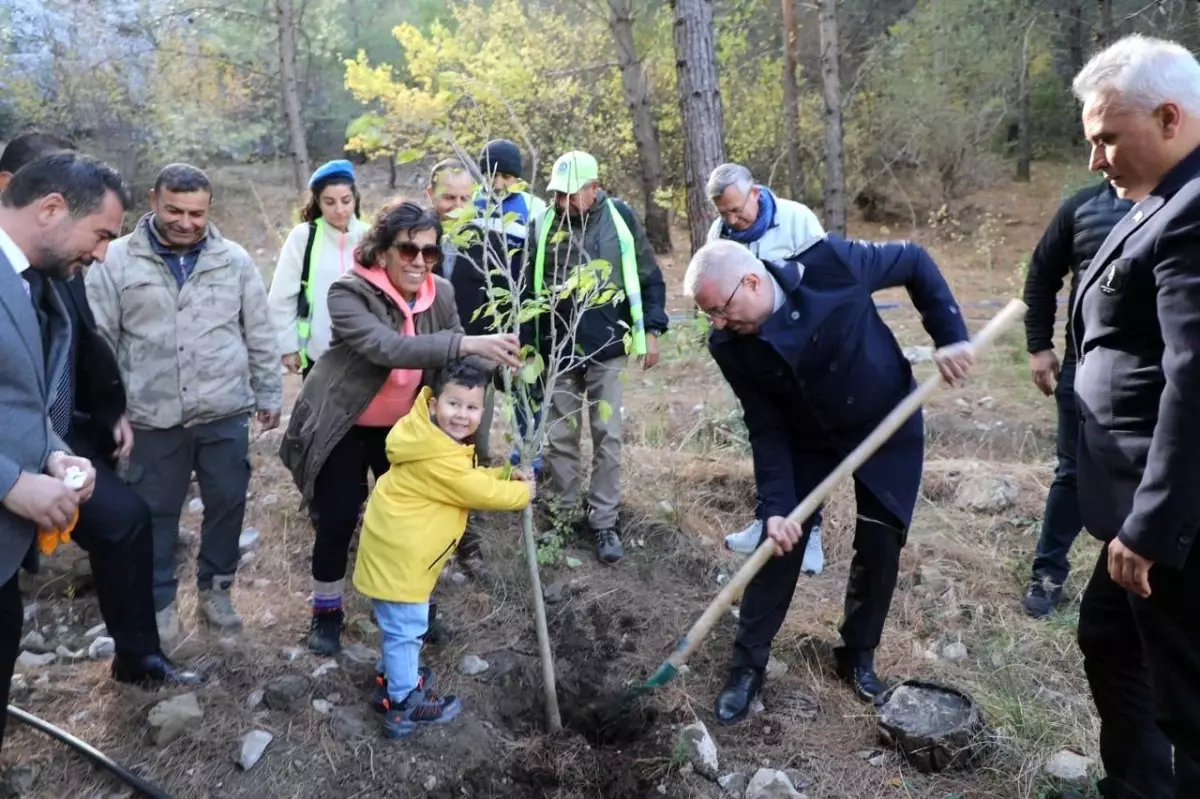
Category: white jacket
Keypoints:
(332, 258)
(795, 226)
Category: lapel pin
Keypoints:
(1137, 217)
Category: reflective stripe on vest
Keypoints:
(629, 270)
(304, 326)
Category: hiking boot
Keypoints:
(380, 701)
(419, 709)
(167, 622)
(608, 545)
(1042, 598)
(325, 632)
(216, 606)
(814, 556)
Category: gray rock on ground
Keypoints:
(285, 693)
(986, 493)
(173, 717)
(253, 745)
(1068, 766)
(768, 783)
(700, 750)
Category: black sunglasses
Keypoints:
(431, 253)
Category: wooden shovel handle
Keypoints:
(1008, 316)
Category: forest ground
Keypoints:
(687, 481)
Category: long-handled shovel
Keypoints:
(1010, 314)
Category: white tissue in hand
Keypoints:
(75, 478)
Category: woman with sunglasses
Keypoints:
(317, 252)
(393, 324)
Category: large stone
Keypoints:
(35, 642)
(767, 783)
(934, 727)
(174, 717)
(699, 749)
(285, 693)
(254, 744)
(28, 661)
(1068, 766)
(986, 493)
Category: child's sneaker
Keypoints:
(380, 700)
(421, 707)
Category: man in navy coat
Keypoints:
(816, 370)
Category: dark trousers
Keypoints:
(162, 466)
(116, 531)
(338, 497)
(878, 539)
(1061, 521)
(1142, 660)
(12, 616)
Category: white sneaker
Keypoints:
(167, 622)
(745, 542)
(814, 556)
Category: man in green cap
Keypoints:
(585, 224)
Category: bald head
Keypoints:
(721, 263)
(731, 286)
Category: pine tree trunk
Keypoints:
(1024, 115)
(1075, 37)
(286, 16)
(700, 109)
(1104, 33)
(791, 100)
(835, 170)
(645, 132)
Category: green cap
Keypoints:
(572, 172)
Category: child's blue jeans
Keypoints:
(401, 625)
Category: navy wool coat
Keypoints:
(824, 370)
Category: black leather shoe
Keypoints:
(152, 670)
(742, 686)
(858, 669)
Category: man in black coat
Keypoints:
(816, 370)
(1136, 323)
(88, 412)
(1067, 247)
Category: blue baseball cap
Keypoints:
(332, 169)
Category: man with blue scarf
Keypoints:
(773, 229)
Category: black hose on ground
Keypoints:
(91, 752)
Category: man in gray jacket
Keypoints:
(185, 310)
(57, 215)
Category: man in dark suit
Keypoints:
(1136, 324)
(55, 217)
(87, 410)
(816, 369)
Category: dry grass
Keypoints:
(688, 482)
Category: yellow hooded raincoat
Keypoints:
(418, 510)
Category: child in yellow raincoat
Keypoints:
(414, 520)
